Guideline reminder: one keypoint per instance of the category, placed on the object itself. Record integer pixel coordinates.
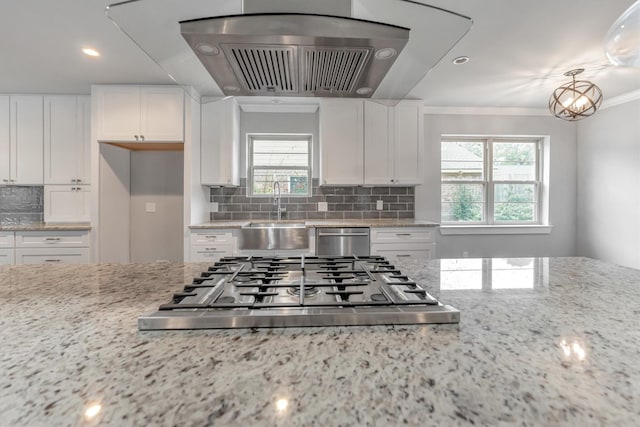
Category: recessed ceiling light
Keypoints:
(90, 52)
(385, 53)
(460, 60)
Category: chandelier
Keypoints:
(575, 100)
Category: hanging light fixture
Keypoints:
(575, 100)
(622, 42)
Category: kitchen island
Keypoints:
(540, 342)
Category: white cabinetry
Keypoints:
(66, 139)
(65, 203)
(403, 242)
(341, 142)
(393, 141)
(21, 140)
(140, 113)
(211, 245)
(55, 247)
(220, 143)
(6, 247)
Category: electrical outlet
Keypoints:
(465, 254)
(150, 207)
(379, 205)
(323, 207)
(213, 207)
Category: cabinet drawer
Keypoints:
(393, 235)
(212, 236)
(6, 239)
(52, 256)
(210, 253)
(40, 239)
(421, 252)
(6, 256)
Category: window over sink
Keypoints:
(491, 180)
(283, 158)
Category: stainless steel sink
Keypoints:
(274, 235)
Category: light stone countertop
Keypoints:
(42, 226)
(312, 223)
(542, 342)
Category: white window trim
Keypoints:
(280, 137)
(489, 226)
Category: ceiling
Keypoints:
(518, 51)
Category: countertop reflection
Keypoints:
(541, 341)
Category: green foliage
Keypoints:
(464, 208)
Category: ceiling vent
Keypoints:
(295, 54)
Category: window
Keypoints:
(282, 158)
(490, 180)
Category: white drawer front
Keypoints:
(52, 256)
(43, 239)
(212, 236)
(6, 239)
(6, 256)
(392, 235)
(400, 254)
(210, 253)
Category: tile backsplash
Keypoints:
(21, 205)
(342, 202)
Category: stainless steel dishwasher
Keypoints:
(342, 241)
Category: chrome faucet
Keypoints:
(277, 201)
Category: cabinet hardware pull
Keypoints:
(52, 239)
(51, 260)
(210, 237)
(136, 137)
(343, 234)
(5, 180)
(78, 180)
(141, 137)
(210, 249)
(403, 234)
(403, 256)
(73, 181)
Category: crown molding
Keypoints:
(621, 99)
(487, 111)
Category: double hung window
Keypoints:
(285, 159)
(490, 180)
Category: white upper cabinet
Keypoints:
(66, 139)
(341, 142)
(393, 148)
(21, 140)
(220, 143)
(140, 113)
(5, 140)
(64, 203)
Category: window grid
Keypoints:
(282, 169)
(489, 184)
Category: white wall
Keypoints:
(278, 123)
(609, 185)
(562, 196)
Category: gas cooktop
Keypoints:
(245, 292)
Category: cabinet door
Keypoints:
(378, 146)
(119, 118)
(5, 140)
(27, 137)
(60, 139)
(220, 143)
(408, 142)
(63, 203)
(341, 142)
(6, 256)
(162, 114)
(84, 139)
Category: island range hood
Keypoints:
(293, 54)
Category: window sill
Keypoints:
(494, 229)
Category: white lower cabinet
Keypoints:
(64, 203)
(6, 247)
(211, 245)
(52, 247)
(6, 256)
(403, 242)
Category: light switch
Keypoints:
(379, 205)
(150, 207)
(323, 207)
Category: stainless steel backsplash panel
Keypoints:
(21, 204)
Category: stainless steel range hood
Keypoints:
(295, 54)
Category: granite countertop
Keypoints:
(42, 226)
(540, 342)
(311, 223)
